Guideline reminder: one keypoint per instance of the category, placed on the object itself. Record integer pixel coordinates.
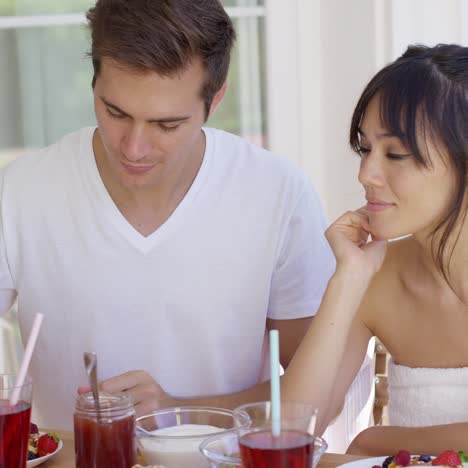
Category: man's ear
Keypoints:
(217, 98)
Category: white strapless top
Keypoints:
(424, 396)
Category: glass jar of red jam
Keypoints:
(109, 441)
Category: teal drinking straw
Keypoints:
(275, 383)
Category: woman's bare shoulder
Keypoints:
(401, 255)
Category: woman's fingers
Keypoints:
(349, 239)
(353, 225)
(355, 219)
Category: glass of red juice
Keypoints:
(293, 447)
(108, 440)
(14, 422)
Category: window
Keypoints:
(45, 75)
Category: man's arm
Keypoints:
(388, 440)
(148, 396)
(291, 333)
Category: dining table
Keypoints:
(65, 458)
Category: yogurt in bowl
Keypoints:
(172, 436)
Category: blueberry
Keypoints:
(31, 455)
(425, 458)
(387, 462)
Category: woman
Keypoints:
(410, 128)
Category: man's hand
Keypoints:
(146, 394)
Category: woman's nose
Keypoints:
(371, 170)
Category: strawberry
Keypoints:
(33, 429)
(47, 443)
(449, 458)
(403, 458)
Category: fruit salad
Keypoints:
(403, 458)
(40, 445)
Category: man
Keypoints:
(167, 248)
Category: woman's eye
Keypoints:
(363, 150)
(398, 157)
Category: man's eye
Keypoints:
(166, 128)
(115, 115)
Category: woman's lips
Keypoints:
(378, 206)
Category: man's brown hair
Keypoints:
(163, 36)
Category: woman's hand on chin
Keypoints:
(349, 239)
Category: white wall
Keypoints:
(334, 57)
(428, 22)
(347, 62)
(321, 55)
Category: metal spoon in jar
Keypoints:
(90, 361)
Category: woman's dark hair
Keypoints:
(163, 36)
(424, 93)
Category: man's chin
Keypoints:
(137, 185)
(137, 181)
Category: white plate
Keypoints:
(370, 462)
(40, 460)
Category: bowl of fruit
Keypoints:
(41, 446)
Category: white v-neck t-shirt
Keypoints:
(187, 303)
